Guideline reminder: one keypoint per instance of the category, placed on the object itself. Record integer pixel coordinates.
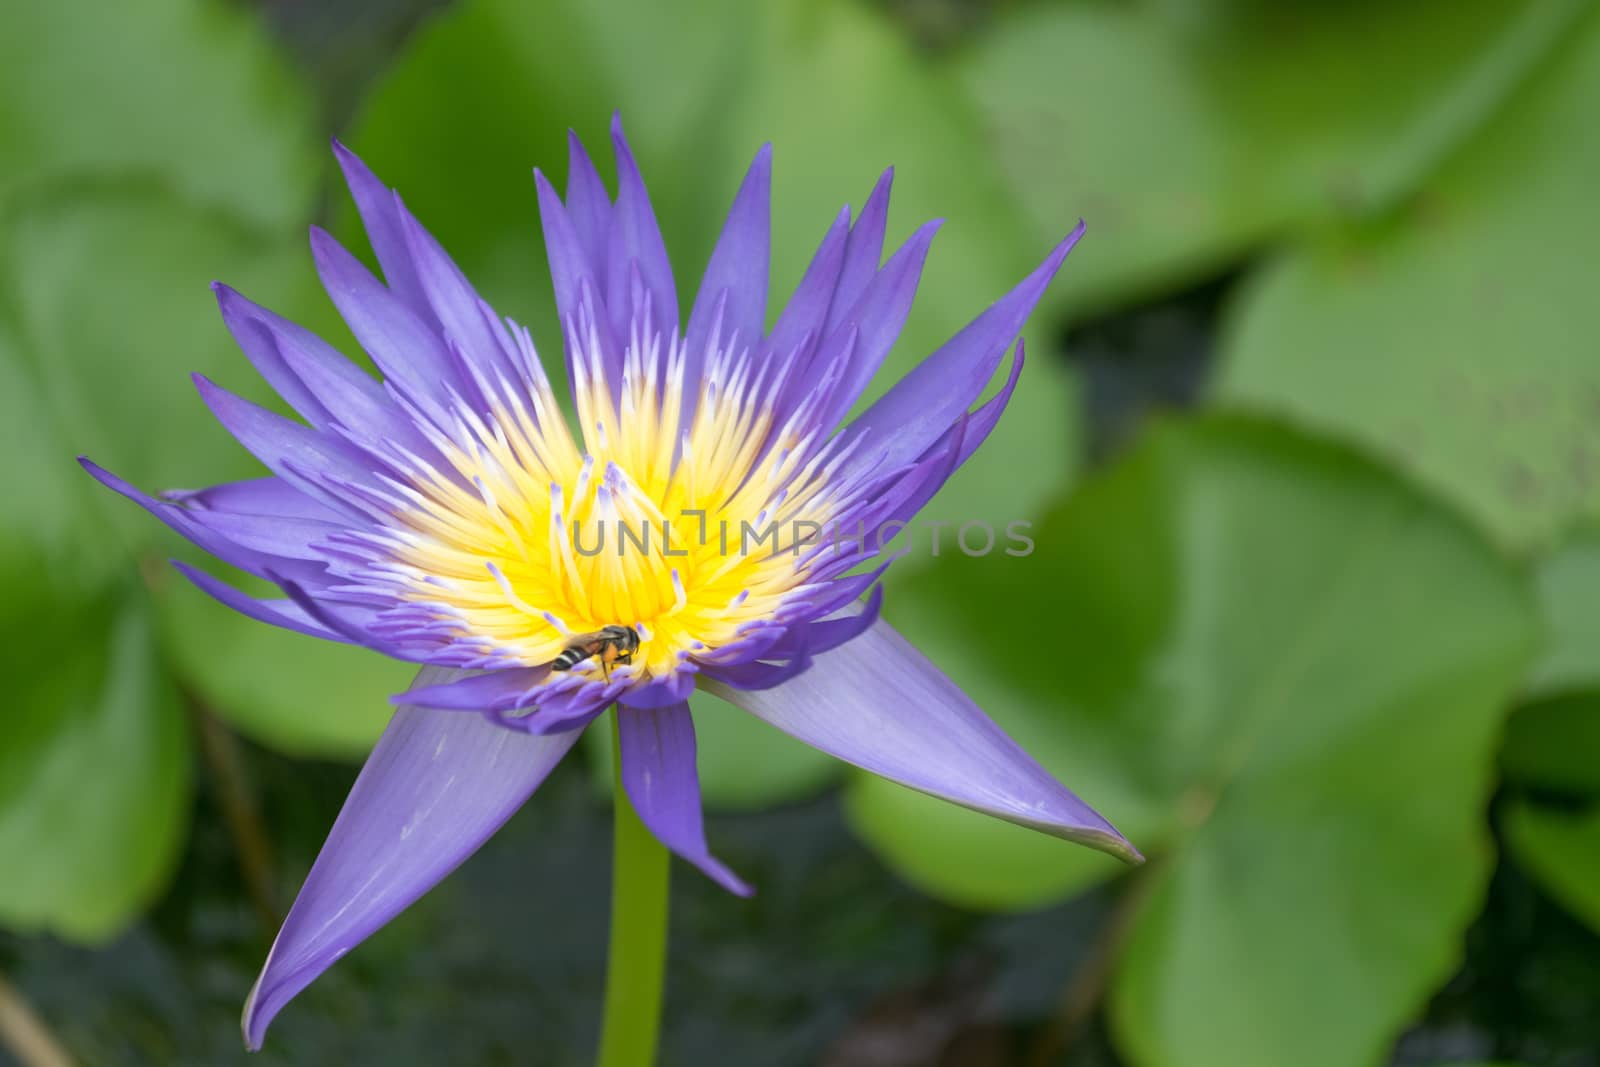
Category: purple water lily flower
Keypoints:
(449, 516)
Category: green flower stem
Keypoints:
(636, 965)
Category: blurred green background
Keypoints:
(1311, 440)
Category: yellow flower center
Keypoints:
(690, 537)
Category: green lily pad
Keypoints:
(839, 93)
(94, 759)
(1562, 851)
(1186, 134)
(1456, 338)
(192, 91)
(1230, 644)
(94, 766)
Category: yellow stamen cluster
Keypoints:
(689, 536)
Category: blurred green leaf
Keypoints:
(1552, 743)
(189, 90)
(1187, 133)
(94, 758)
(94, 772)
(1569, 594)
(742, 766)
(840, 95)
(1230, 643)
(1457, 338)
(1562, 851)
(48, 515)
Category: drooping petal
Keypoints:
(737, 273)
(878, 703)
(921, 406)
(658, 771)
(434, 789)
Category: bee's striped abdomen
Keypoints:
(570, 658)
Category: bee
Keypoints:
(615, 645)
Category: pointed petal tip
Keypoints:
(1114, 844)
(720, 873)
(252, 1023)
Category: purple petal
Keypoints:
(252, 327)
(658, 771)
(921, 406)
(522, 698)
(362, 411)
(254, 496)
(282, 613)
(672, 688)
(825, 635)
(736, 277)
(878, 703)
(636, 239)
(588, 205)
(354, 622)
(876, 321)
(573, 272)
(487, 691)
(316, 379)
(380, 217)
(455, 303)
(800, 322)
(188, 525)
(289, 450)
(412, 357)
(863, 253)
(982, 422)
(759, 675)
(434, 789)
